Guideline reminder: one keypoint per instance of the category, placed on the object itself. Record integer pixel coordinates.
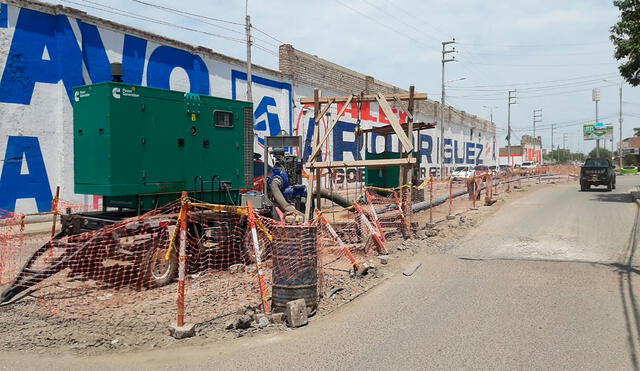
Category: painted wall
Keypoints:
(44, 55)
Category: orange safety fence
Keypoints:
(232, 257)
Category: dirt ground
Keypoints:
(62, 316)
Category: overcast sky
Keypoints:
(553, 52)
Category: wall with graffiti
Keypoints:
(44, 54)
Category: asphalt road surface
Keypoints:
(546, 283)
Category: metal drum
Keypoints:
(295, 266)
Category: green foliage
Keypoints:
(603, 153)
(630, 160)
(636, 132)
(563, 156)
(625, 36)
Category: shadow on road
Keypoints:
(626, 273)
(613, 197)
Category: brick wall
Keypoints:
(304, 68)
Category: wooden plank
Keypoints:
(323, 111)
(364, 98)
(316, 108)
(409, 114)
(362, 163)
(316, 149)
(407, 145)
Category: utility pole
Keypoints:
(620, 141)
(537, 118)
(552, 128)
(490, 112)
(595, 96)
(445, 60)
(512, 100)
(247, 28)
(565, 137)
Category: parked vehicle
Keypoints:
(480, 170)
(462, 172)
(528, 167)
(597, 171)
(505, 169)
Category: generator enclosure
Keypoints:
(387, 177)
(140, 147)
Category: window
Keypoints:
(223, 119)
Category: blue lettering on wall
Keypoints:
(308, 146)
(425, 151)
(270, 119)
(238, 75)
(4, 15)
(479, 147)
(458, 160)
(94, 54)
(340, 145)
(97, 62)
(165, 59)
(133, 56)
(388, 143)
(470, 153)
(35, 184)
(27, 62)
(447, 151)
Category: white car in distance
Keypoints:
(462, 172)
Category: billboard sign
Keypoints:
(592, 130)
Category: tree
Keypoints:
(636, 132)
(563, 156)
(604, 153)
(625, 36)
(630, 160)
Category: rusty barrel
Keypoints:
(295, 266)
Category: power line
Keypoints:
(401, 21)
(383, 24)
(604, 76)
(547, 65)
(266, 34)
(202, 18)
(422, 22)
(499, 96)
(116, 11)
(537, 88)
(187, 13)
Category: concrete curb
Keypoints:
(29, 219)
(635, 193)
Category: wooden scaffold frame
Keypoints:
(321, 106)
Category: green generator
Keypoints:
(388, 177)
(140, 147)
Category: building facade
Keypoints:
(47, 50)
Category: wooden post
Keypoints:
(310, 185)
(182, 257)
(431, 199)
(450, 196)
(375, 215)
(256, 248)
(54, 210)
(316, 107)
(409, 169)
(343, 246)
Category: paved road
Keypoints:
(558, 223)
(484, 306)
